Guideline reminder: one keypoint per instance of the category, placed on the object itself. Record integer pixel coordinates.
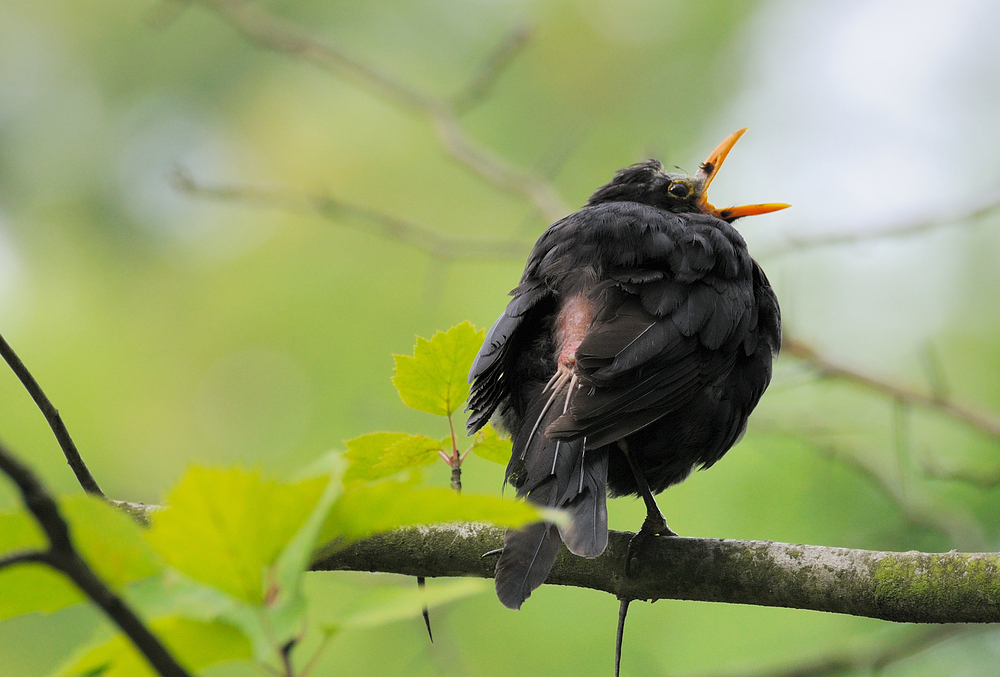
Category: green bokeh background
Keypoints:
(171, 329)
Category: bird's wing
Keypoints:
(660, 337)
(506, 338)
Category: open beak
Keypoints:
(707, 172)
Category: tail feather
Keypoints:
(527, 559)
(554, 474)
(586, 502)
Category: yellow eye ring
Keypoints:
(679, 189)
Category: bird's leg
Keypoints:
(654, 524)
(622, 612)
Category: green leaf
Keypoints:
(435, 378)
(194, 644)
(380, 455)
(25, 588)
(111, 542)
(487, 445)
(413, 451)
(364, 453)
(284, 595)
(29, 587)
(178, 595)
(226, 527)
(388, 505)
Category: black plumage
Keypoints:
(635, 347)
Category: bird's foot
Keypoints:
(653, 525)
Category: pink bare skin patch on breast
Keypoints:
(572, 325)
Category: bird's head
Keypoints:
(648, 183)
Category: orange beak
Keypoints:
(707, 172)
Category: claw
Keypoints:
(653, 525)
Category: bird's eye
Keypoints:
(678, 189)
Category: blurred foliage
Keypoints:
(173, 330)
(234, 548)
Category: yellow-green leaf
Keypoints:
(410, 452)
(434, 379)
(194, 644)
(111, 541)
(364, 453)
(487, 445)
(225, 527)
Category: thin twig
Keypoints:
(267, 31)
(478, 87)
(24, 557)
(55, 421)
(987, 480)
(63, 556)
(441, 247)
(987, 424)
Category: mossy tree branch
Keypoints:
(910, 587)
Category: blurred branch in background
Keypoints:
(63, 556)
(869, 659)
(987, 424)
(427, 240)
(960, 529)
(960, 215)
(270, 32)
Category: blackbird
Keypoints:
(635, 347)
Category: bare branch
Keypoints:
(905, 587)
(63, 556)
(267, 31)
(870, 659)
(437, 245)
(55, 421)
(987, 424)
(959, 529)
(982, 480)
(476, 90)
(980, 208)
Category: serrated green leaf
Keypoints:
(410, 452)
(109, 540)
(194, 644)
(487, 445)
(385, 506)
(434, 379)
(364, 453)
(225, 527)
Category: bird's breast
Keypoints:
(573, 322)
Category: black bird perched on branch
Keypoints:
(636, 345)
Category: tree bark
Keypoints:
(912, 587)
